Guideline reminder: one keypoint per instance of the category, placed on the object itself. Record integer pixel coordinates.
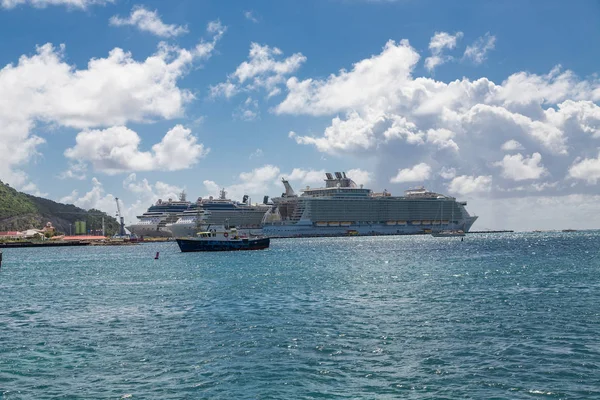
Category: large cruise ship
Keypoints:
(343, 208)
(221, 211)
(152, 222)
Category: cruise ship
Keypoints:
(152, 222)
(343, 208)
(220, 211)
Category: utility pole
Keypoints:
(103, 230)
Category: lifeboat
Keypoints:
(415, 222)
(321, 223)
(345, 223)
(390, 223)
(401, 222)
(334, 223)
(426, 222)
(445, 222)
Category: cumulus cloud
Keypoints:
(379, 109)
(149, 21)
(587, 169)
(81, 4)
(470, 185)
(418, 173)
(512, 145)
(439, 42)
(447, 173)
(359, 176)
(519, 168)
(265, 70)
(116, 149)
(477, 52)
(255, 183)
(144, 192)
(44, 89)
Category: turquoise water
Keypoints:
(507, 316)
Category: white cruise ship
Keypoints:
(221, 211)
(343, 208)
(152, 222)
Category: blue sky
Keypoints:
(492, 102)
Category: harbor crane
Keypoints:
(121, 219)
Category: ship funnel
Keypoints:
(328, 175)
(265, 199)
(245, 198)
(338, 175)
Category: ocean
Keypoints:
(497, 316)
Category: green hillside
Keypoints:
(20, 211)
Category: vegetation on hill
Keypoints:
(20, 211)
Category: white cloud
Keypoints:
(512, 145)
(149, 21)
(354, 133)
(248, 111)
(43, 89)
(587, 169)
(258, 153)
(442, 138)
(265, 69)
(439, 42)
(378, 80)
(447, 173)
(470, 185)
(70, 198)
(255, 183)
(519, 168)
(250, 15)
(82, 4)
(204, 49)
(145, 193)
(359, 176)
(379, 109)
(77, 170)
(95, 198)
(477, 52)
(305, 177)
(116, 149)
(418, 173)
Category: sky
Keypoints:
(494, 103)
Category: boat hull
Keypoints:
(296, 230)
(193, 245)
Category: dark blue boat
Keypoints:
(227, 240)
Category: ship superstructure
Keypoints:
(152, 223)
(344, 208)
(219, 211)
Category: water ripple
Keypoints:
(511, 316)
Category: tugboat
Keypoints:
(222, 240)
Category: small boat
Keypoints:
(448, 233)
(222, 240)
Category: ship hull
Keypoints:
(195, 245)
(297, 230)
(149, 230)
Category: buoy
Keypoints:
(157, 253)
